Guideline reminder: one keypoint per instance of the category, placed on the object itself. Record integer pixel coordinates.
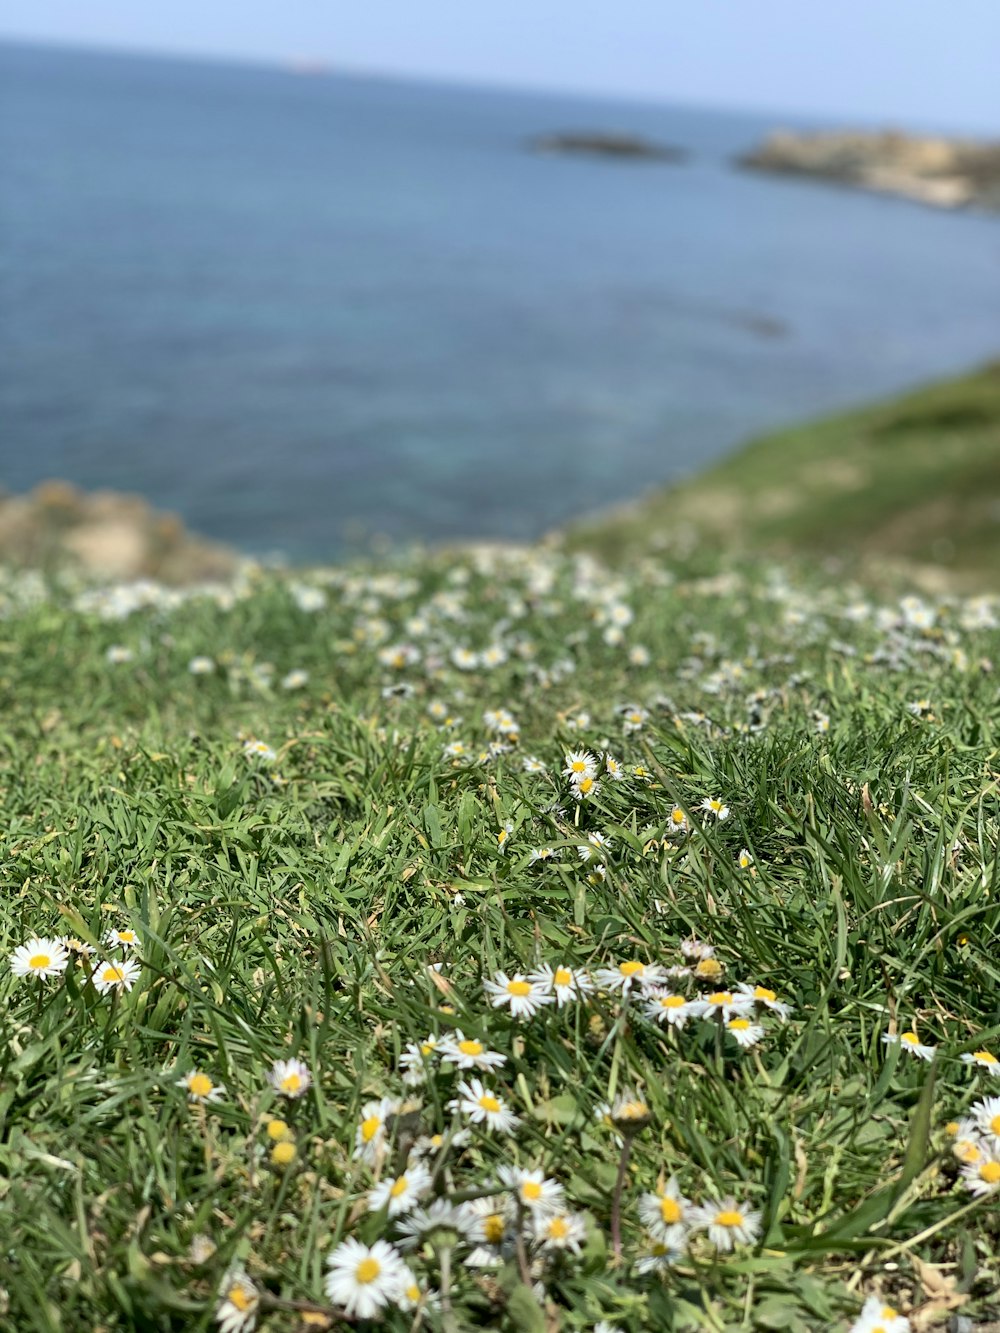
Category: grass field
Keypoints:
(912, 482)
(323, 819)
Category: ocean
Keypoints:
(301, 310)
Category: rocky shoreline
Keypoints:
(106, 535)
(943, 173)
(625, 147)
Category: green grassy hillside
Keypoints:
(913, 481)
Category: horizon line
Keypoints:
(319, 67)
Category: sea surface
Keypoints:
(301, 310)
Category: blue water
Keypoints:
(295, 308)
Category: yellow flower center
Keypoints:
(888, 1313)
(632, 1110)
(708, 967)
(291, 1082)
(112, 974)
(558, 1228)
(489, 1103)
(241, 1298)
(562, 976)
(531, 1190)
(578, 766)
(985, 1058)
(990, 1172)
(277, 1129)
(427, 1047)
(672, 1002)
(967, 1150)
(631, 969)
(910, 1038)
(762, 993)
(126, 936)
(471, 1047)
(39, 960)
(399, 1186)
(370, 1127)
(284, 1153)
(721, 997)
(367, 1270)
(670, 1210)
(200, 1085)
(584, 785)
(951, 1127)
(729, 1217)
(739, 1024)
(413, 1293)
(493, 1228)
(518, 988)
(677, 816)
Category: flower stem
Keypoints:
(616, 1202)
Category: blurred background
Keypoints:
(305, 274)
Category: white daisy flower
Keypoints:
(712, 805)
(484, 1107)
(629, 975)
(369, 1138)
(762, 996)
(677, 822)
(39, 957)
(745, 859)
(468, 1052)
(503, 838)
(439, 1215)
(524, 997)
(364, 1279)
(560, 1231)
(295, 680)
(730, 1004)
(201, 1088)
(634, 718)
(290, 1078)
(116, 976)
(414, 1060)
(125, 939)
(987, 1117)
(416, 1297)
(580, 764)
(665, 1214)
(983, 1176)
(239, 1298)
(533, 1189)
(877, 1317)
(745, 1032)
(201, 666)
(659, 1258)
(544, 854)
(565, 983)
(256, 749)
(727, 1223)
(401, 1193)
(664, 1006)
(985, 1059)
(909, 1041)
(596, 847)
(118, 654)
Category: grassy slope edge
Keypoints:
(915, 479)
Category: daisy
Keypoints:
(765, 997)
(255, 749)
(634, 719)
(125, 939)
(665, 1214)
(118, 654)
(201, 666)
(613, 768)
(39, 957)
(565, 983)
(579, 764)
(677, 822)
(531, 764)
(560, 1231)
(983, 1177)
(413, 1061)
(745, 859)
(659, 1257)
(439, 1215)
(488, 1220)
(200, 1087)
(543, 854)
(290, 1078)
(468, 1053)
(629, 1114)
(416, 1296)
(295, 680)
(666, 1007)
(877, 1317)
(363, 1279)
(967, 1145)
(483, 1107)
(629, 975)
(745, 1032)
(985, 1059)
(283, 1154)
(727, 1003)
(595, 848)
(503, 838)
(236, 1311)
(115, 976)
(727, 1223)
(400, 1194)
(586, 789)
(533, 1190)
(712, 805)
(429, 1145)
(369, 1138)
(708, 969)
(987, 1117)
(524, 997)
(910, 1042)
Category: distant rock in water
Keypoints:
(945, 173)
(629, 147)
(105, 535)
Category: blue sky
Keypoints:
(932, 62)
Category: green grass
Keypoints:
(915, 480)
(293, 908)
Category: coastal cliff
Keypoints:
(944, 173)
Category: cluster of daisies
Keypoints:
(44, 958)
(975, 1142)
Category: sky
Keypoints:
(908, 62)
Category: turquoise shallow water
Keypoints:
(293, 308)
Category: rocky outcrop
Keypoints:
(623, 146)
(105, 535)
(945, 173)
